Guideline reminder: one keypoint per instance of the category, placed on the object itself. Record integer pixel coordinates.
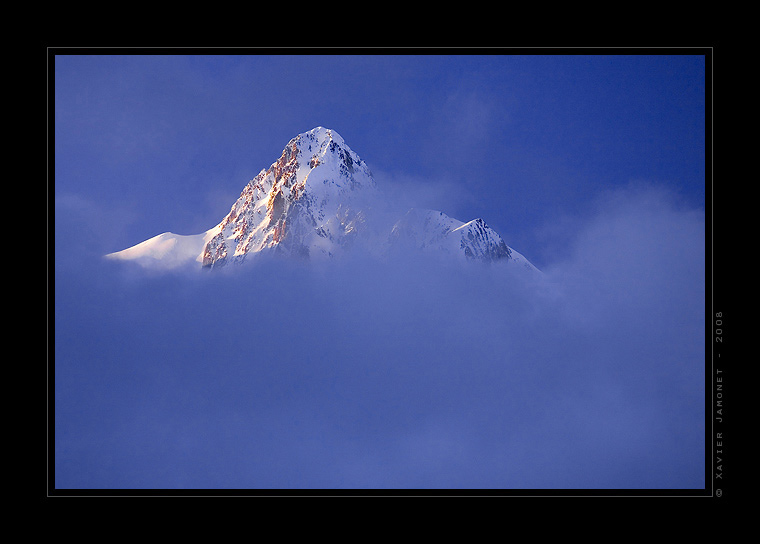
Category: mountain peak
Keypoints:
(307, 203)
(321, 134)
(318, 141)
(434, 231)
(314, 202)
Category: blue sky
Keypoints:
(407, 376)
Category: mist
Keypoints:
(392, 374)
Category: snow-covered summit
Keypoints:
(314, 202)
(309, 202)
(433, 231)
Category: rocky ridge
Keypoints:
(314, 202)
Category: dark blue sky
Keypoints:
(591, 166)
(169, 142)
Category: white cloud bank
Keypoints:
(361, 374)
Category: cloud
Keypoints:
(414, 374)
(84, 229)
(461, 132)
(402, 192)
(641, 251)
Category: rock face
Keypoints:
(434, 231)
(310, 202)
(314, 202)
